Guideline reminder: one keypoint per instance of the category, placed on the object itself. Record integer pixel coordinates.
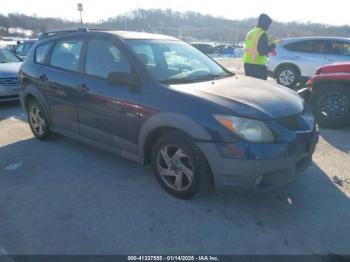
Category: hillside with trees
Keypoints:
(190, 26)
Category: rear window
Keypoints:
(307, 46)
(41, 53)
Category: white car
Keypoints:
(296, 59)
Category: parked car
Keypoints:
(330, 95)
(205, 47)
(23, 48)
(155, 99)
(214, 50)
(9, 83)
(296, 59)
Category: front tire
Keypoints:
(37, 120)
(179, 166)
(331, 106)
(287, 76)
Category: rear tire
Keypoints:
(331, 106)
(288, 76)
(179, 166)
(37, 120)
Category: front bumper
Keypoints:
(260, 174)
(9, 93)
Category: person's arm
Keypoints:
(263, 45)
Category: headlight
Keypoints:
(248, 129)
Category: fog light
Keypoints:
(258, 180)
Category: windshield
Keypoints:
(175, 61)
(7, 57)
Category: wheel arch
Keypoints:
(331, 83)
(162, 123)
(286, 64)
(31, 93)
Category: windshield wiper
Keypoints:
(194, 79)
(210, 77)
(176, 81)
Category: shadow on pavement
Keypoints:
(339, 138)
(68, 198)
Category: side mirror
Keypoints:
(123, 78)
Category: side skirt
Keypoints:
(108, 148)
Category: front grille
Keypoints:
(11, 81)
(290, 122)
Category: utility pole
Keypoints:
(80, 9)
(237, 29)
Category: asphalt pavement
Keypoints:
(63, 197)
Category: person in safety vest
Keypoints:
(258, 46)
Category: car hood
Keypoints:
(247, 97)
(335, 68)
(9, 69)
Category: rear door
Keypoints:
(308, 55)
(108, 113)
(58, 82)
(337, 51)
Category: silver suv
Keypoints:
(296, 59)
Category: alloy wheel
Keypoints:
(175, 167)
(286, 77)
(37, 120)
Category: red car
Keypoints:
(330, 95)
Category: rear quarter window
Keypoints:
(41, 53)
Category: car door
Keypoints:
(58, 82)
(108, 113)
(308, 55)
(337, 51)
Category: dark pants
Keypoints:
(257, 71)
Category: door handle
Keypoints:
(43, 78)
(83, 88)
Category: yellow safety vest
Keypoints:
(251, 54)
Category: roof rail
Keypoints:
(101, 29)
(62, 31)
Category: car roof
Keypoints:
(141, 35)
(126, 35)
(295, 39)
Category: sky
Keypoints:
(335, 12)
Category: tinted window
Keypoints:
(41, 52)
(103, 57)
(66, 54)
(307, 46)
(339, 48)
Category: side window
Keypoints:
(103, 57)
(145, 54)
(308, 46)
(41, 52)
(339, 48)
(66, 54)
